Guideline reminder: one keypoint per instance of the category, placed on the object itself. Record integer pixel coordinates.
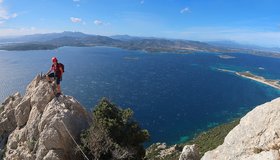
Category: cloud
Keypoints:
(142, 2)
(4, 14)
(98, 22)
(76, 20)
(77, 2)
(185, 10)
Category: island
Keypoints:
(131, 58)
(226, 57)
(249, 75)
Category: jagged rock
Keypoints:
(190, 152)
(36, 126)
(40, 93)
(169, 151)
(22, 112)
(161, 145)
(7, 119)
(160, 151)
(255, 138)
(54, 155)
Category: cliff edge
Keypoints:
(256, 137)
(39, 126)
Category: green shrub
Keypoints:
(205, 141)
(114, 134)
(211, 139)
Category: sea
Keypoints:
(174, 96)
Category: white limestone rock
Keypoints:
(190, 152)
(34, 127)
(257, 137)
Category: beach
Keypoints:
(249, 75)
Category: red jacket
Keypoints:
(57, 70)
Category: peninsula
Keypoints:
(249, 75)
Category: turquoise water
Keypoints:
(174, 96)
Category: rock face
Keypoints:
(190, 152)
(162, 151)
(257, 137)
(34, 127)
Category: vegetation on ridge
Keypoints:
(205, 141)
(211, 139)
(114, 134)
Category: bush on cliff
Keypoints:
(114, 134)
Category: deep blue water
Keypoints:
(174, 96)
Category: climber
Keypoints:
(55, 73)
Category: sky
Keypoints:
(245, 21)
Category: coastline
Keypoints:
(269, 82)
(205, 141)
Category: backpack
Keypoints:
(62, 66)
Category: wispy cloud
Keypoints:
(142, 2)
(4, 13)
(77, 3)
(76, 20)
(98, 22)
(185, 10)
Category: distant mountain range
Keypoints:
(124, 37)
(41, 37)
(150, 44)
(232, 44)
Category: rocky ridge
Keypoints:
(34, 126)
(256, 137)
